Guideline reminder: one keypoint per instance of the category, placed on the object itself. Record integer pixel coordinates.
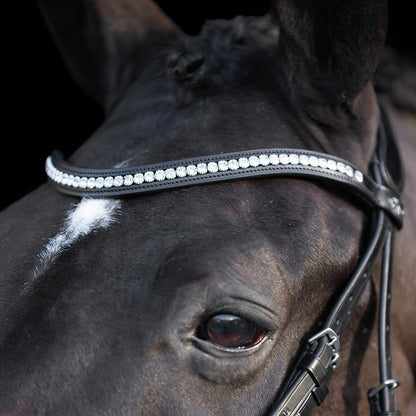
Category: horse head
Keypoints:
(193, 301)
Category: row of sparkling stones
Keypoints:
(200, 169)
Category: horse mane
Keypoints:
(395, 80)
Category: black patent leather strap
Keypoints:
(382, 398)
(258, 163)
(328, 340)
(388, 155)
(342, 311)
(300, 397)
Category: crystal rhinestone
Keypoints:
(313, 161)
(304, 160)
(128, 180)
(393, 202)
(138, 178)
(118, 181)
(91, 183)
(181, 171)
(58, 176)
(243, 162)
(233, 164)
(398, 210)
(294, 159)
(212, 167)
(160, 175)
(284, 159)
(254, 161)
(108, 181)
(83, 182)
(264, 160)
(149, 176)
(349, 171)
(201, 168)
(71, 180)
(323, 163)
(223, 165)
(359, 177)
(396, 206)
(274, 159)
(76, 181)
(170, 173)
(340, 167)
(65, 179)
(332, 165)
(191, 170)
(99, 182)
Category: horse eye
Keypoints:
(231, 331)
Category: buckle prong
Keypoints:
(390, 383)
(333, 342)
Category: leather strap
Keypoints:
(382, 398)
(388, 154)
(301, 387)
(298, 397)
(319, 167)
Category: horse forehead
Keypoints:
(238, 218)
(86, 216)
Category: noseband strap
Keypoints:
(307, 383)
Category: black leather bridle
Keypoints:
(307, 382)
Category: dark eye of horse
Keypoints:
(232, 331)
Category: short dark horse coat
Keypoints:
(194, 301)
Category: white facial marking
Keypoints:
(87, 216)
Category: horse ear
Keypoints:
(103, 42)
(330, 47)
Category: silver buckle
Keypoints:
(333, 342)
(390, 383)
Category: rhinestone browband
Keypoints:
(182, 169)
(216, 168)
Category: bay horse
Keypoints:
(197, 298)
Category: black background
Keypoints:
(42, 107)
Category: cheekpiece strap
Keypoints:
(320, 370)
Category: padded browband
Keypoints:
(259, 163)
